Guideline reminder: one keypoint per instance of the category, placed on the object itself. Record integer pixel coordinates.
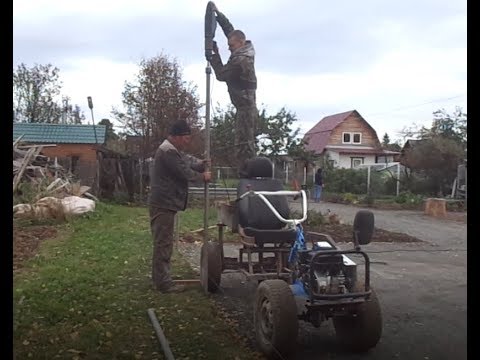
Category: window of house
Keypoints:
(356, 161)
(352, 138)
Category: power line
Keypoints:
(396, 109)
(417, 105)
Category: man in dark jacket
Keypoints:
(171, 172)
(239, 74)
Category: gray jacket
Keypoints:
(169, 177)
(239, 71)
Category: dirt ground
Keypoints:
(26, 241)
(421, 285)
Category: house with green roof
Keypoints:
(75, 146)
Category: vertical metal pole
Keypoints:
(368, 179)
(208, 71)
(286, 173)
(398, 179)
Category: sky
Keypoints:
(395, 62)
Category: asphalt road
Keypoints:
(422, 288)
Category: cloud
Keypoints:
(312, 57)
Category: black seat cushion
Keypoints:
(257, 219)
(253, 212)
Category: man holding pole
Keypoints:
(239, 74)
(171, 172)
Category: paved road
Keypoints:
(445, 233)
(422, 289)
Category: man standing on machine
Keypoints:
(239, 74)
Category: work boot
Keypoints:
(175, 288)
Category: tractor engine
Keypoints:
(333, 274)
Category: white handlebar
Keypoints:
(262, 194)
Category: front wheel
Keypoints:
(275, 319)
(362, 330)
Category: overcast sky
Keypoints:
(395, 62)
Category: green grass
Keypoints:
(86, 294)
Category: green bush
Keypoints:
(406, 197)
(355, 181)
(350, 198)
(368, 200)
(314, 218)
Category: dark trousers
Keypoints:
(245, 122)
(162, 225)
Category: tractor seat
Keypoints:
(254, 216)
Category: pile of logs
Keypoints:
(30, 166)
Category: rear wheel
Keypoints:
(362, 330)
(275, 319)
(211, 266)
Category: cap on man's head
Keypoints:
(180, 128)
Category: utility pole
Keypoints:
(90, 105)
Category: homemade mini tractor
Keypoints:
(302, 276)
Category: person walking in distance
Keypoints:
(172, 170)
(239, 75)
(318, 186)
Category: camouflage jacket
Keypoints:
(169, 177)
(239, 71)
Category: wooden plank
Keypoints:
(18, 140)
(25, 163)
(201, 229)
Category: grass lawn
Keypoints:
(86, 293)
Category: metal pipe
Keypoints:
(160, 335)
(398, 179)
(208, 71)
(90, 105)
(261, 195)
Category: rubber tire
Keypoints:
(211, 266)
(364, 222)
(362, 332)
(284, 322)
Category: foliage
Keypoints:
(314, 218)
(387, 145)
(35, 94)
(406, 197)
(158, 97)
(110, 133)
(353, 181)
(274, 135)
(441, 149)
(350, 198)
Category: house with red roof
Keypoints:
(347, 140)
